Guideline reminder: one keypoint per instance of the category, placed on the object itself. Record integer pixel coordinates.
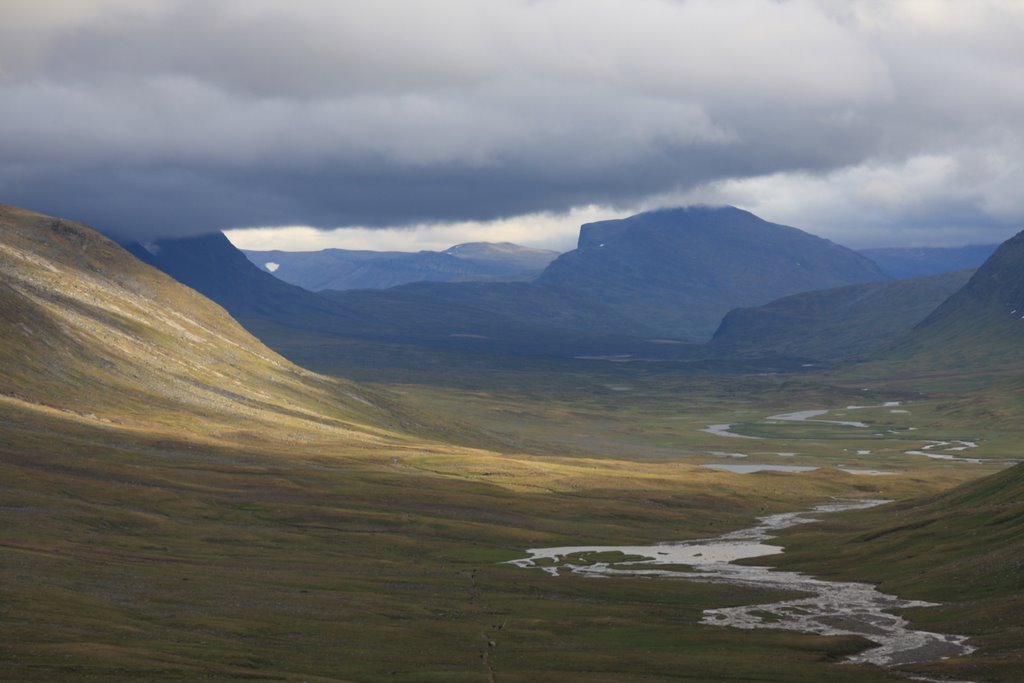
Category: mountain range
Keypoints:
(647, 286)
(676, 272)
(671, 273)
(182, 503)
(288, 317)
(353, 269)
(630, 286)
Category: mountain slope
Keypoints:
(342, 269)
(92, 330)
(963, 548)
(904, 263)
(212, 266)
(982, 324)
(834, 325)
(677, 272)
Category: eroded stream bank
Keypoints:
(831, 607)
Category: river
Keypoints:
(830, 608)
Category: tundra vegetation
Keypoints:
(181, 503)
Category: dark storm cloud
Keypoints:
(168, 117)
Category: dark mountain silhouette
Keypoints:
(677, 272)
(671, 273)
(281, 313)
(214, 267)
(835, 325)
(630, 285)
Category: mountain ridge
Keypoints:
(667, 275)
(835, 325)
(343, 269)
(980, 325)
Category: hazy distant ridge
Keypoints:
(912, 262)
(351, 269)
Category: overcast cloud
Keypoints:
(867, 121)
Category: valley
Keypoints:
(515, 341)
(182, 503)
(138, 556)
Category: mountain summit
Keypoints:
(679, 271)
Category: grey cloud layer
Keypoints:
(167, 117)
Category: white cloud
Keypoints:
(940, 200)
(170, 117)
(542, 230)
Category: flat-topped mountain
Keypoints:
(676, 272)
(342, 269)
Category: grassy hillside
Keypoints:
(834, 325)
(89, 329)
(963, 548)
(970, 347)
(987, 313)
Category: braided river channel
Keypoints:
(830, 608)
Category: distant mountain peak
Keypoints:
(348, 269)
(682, 220)
(495, 249)
(681, 269)
(213, 266)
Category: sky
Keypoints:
(418, 124)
